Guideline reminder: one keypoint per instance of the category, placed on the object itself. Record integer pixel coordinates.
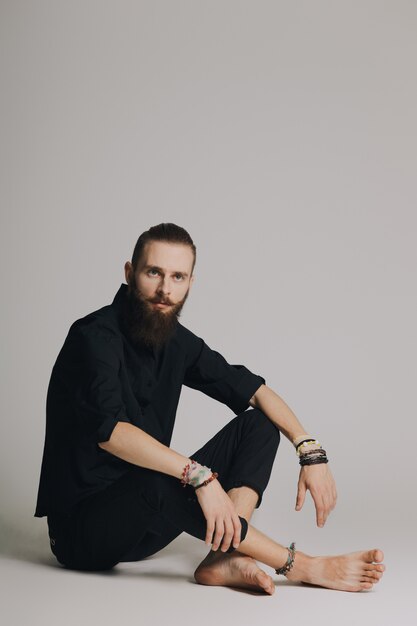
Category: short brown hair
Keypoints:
(165, 231)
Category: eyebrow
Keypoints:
(155, 267)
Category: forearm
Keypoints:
(134, 445)
(278, 412)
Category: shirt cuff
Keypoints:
(249, 384)
(104, 431)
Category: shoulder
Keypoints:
(186, 337)
(183, 332)
(189, 343)
(100, 326)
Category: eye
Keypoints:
(180, 276)
(153, 270)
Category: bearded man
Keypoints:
(112, 488)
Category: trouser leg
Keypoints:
(242, 452)
(105, 526)
(145, 510)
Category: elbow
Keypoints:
(106, 445)
(254, 401)
(116, 435)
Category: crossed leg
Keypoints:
(355, 571)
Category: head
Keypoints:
(159, 278)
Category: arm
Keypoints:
(278, 412)
(317, 478)
(135, 446)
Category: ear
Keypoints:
(128, 270)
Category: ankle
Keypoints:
(303, 567)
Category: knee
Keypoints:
(260, 421)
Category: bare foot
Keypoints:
(233, 569)
(348, 572)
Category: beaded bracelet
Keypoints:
(185, 472)
(201, 473)
(206, 482)
(290, 560)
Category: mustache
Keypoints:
(161, 301)
(137, 303)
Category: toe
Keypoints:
(366, 585)
(374, 555)
(378, 555)
(373, 571)
(265, 582)
(370, 577)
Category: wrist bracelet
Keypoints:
(306, 444)
(300, 439)
(306, 438)
(197, 475)
(206, 482)
(312, 452)
(315, 461)
(187, 470)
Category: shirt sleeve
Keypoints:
(89, 370)
(209, 372)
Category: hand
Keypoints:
(319, 480)
(221, 516)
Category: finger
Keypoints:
(209, 531)
(301, 494)
(325, 508)
(218, 535)
(331, 501)
(330, 504)
(228, 535)
(320, 510)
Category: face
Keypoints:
(157, 291)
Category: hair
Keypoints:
(165, 231)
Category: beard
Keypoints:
(147, 324)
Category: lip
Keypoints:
(160, 304)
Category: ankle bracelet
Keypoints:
(290, 560)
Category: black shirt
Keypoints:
(100, 378)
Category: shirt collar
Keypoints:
(120, 297)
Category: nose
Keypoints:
(163, 288)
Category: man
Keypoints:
(112, 488)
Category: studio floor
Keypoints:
(36, 589)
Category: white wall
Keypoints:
(282, 136)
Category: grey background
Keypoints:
(282, 136)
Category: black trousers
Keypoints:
(144, 510)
